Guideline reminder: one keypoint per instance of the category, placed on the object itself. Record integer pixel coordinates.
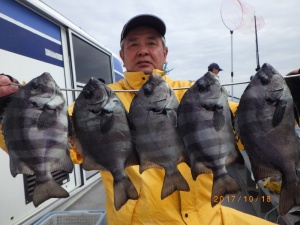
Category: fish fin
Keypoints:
(289, 197)
(181, 159)
(64, 163)
(107, 116)
(124, 190)
(75, 142)
(218, 118)
(17, 166)
(232, 119)
(261, 171)
(236, 125)
(132, 130)
(106, 121)
(234, 156)
(171, 109)
(147, 165)
(172, 116)
(173, 182)
(130, 123)
(222, 186)
(44, 191)
(89, 164)
(199, 168)
(133, 159)
(46, 119)
(70, 126)
(111, 103)
(278, 113)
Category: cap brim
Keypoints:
(144, 20)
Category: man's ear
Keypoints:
(122, 56)
(166, 50)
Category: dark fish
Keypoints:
(35, 128)
(205, 124)
(265, 123)
(153, 114)
(102, 128)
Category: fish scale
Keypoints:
(204, 123)
(37, 143)
(265, 124)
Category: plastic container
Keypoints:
(76, 217)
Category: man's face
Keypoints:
(215, 71)
(143, 50)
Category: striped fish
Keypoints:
(153, 114)
(104, 137)
(35, 129)
(265, 122)
(204, 122)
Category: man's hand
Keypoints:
(5, 88)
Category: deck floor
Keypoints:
(94, 199)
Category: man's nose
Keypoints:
(143, 51)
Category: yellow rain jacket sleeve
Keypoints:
(2, 142)
(180, 208)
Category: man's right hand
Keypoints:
(5, 88)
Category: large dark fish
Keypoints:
(205, 124)
(265, 121)
(35, 128)
(153, 114)
(102, 128)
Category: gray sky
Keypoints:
(196, 35)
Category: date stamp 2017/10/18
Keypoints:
(245, 198)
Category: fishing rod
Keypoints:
(256, 44)
(180, 88)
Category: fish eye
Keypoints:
(88, 94)
(264, 80)
(35, 85)
(202, 87)
(148, 90)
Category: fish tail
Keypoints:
(47, 190)
(199, 168)
(223, 185)
(289, 197)
(124, 190)
(173, 182)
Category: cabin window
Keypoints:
(90, 62)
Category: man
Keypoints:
(214, 68)
(143, 51)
